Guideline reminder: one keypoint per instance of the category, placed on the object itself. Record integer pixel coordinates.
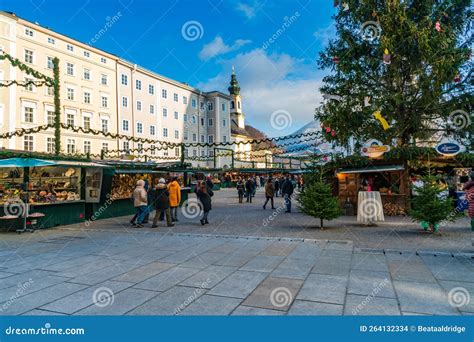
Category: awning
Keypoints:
(25, 162)
(373, 168)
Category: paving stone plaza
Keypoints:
(238, 265)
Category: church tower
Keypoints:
(236, 113)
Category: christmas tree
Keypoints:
(431, 205)
(317, 199)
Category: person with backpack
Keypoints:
(162, 203)
(269, 193)
(240, 190)
(140, 203)
(204, 195)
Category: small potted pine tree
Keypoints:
(317, 200)
(431, 205)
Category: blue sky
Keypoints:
(279, 75)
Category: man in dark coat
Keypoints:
(277, 187)
(249, 189)
(162, 203)
(287, 190)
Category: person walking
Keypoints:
(204, 195)
(281, 180)
(287, 191)
(249, 189)
(240, 190)
(276, 187)
(209, 183)
(175, 198)
(162, 203)
(469, 188)
(140, 203)
(269, 193)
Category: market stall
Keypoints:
(57, 189)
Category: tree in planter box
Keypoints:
(430, 205)
(317, 200)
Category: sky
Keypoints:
(273, 45)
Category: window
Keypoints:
(87, 97)
(202, 153)
(194, 119)
(165, 153)
(224, 138)
(49, 62)
(210, 122)
(28, 56)
(223, 107)
(103, 79)
(177, 151)
(87, 122)
(165, 132)
(185, 117)
(87, 147)
(202, 138)
(152, 150)
(185, 100)
(224, 122)
(50, 145)
(125, 125)
(51, 41)
(87, 54)
(30, 86)
(87, 74)
(50, 117)
(125, 101)
(186, 152)
(202, 121)
(71, 146)
(70, 94)
(70, 69)
(232, 104)
(139, 105)
(105, 125)
(164, 93)
(238, 104)
(194, 137)
(194, 153)
(126, 146)
(210, 106)
(29, 32)
(70, 119)
(140, 147)
(124, 79)
(50, 91)
(139, 127)
(28, 143)
(28, 114)
(152, 109)
(210, 139)
(176, 115)
(104, 101)
(69, 47)
(176, 134)
(185, 135)
(138, 84)
(152, 130)
(193, 103)
(165, 112)
(103, 60)
(211, 153)
(105, 147)
(151, 89)
(175, 97)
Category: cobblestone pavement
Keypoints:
(109, 268)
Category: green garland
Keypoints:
(25, 131)
(26, 69)
(23, 84)
(57, 107)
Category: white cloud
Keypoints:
(270, 83)
(248, 10)
(218, 47)
(325, 34)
